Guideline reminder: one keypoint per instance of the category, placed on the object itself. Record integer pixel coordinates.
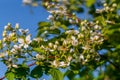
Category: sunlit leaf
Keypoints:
(56, 74)
(10, 75)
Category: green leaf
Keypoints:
(54, 31)
(36, 72)
(89, 2)
(38, 50)
(43, 24)
(70, 74)
(25, 71)
(10, 75)
(64, 26)
(56, 74)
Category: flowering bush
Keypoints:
(65, 42)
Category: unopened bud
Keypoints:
(114, 5)
(55, 46)
(17, 26)
(50, 44)
(107, 8)
(4, 39)
(0, 41)
(112, 9)
(4, 33)
(105, 4)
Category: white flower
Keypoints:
(50, 17)
(4, 39)
(97, 27)
(75, 42)
(71, 50)
(6, 27)
(81, 57)
(76, 31)
(80, 35)
(73, 37)
(0, 41)
(38, 56)
(15, 66)
(4, 33)
(71, 21)
(24, 31)
(27, 1)
(54, 63)
(2, 55)
(69, 58)
(17, 47)
(55, 46)
(13, 50)
(11, 34)
(51, 50)
(99, 10)
(25, 42)
(65, 42)
(96, 37)
(62, 64)
(86, 47)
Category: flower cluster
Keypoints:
(58, 10)
(77, 46)
(107, 8)
(15, 43)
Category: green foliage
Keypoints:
(15, 73)
(37, 72)
(56, 74)
(24, 73)
(10, 75)
(90, 2)
(38, 50)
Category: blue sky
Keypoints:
(13, 11)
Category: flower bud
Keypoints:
(46, 3)
(107, 8)
(4, 39)
(55, 46)
(11, 34)
(80, 35)
(0, 41)
(112, 9)
(56, 42)
(50, 44)
(17, 26)
(38, 56)
(97, 22)
(105, 4)
(15, 66)
(114, 5)
(4, 33)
